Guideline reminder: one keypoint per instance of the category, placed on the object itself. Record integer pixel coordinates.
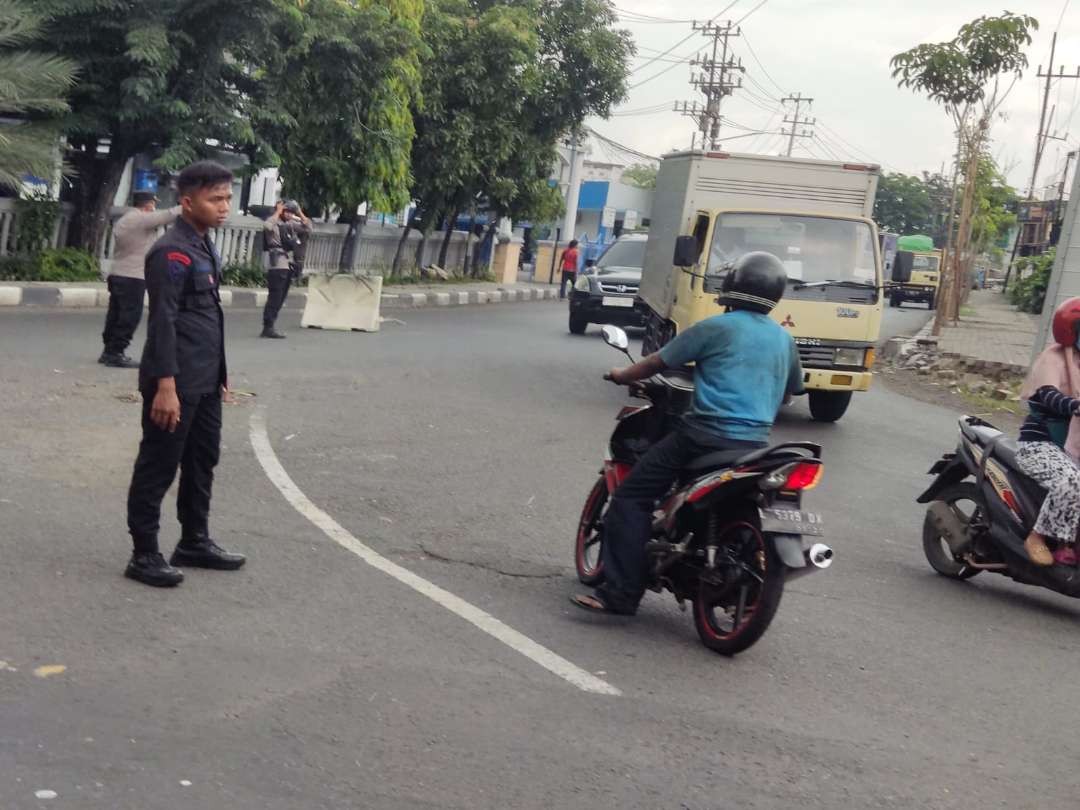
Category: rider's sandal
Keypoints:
(1038, 552)
(595, 604)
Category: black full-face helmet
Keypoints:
(756, 282)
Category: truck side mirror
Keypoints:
(902, 264)
(686, 251)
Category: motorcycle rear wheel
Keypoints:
(720, 624)
(935, 548)
(589, 543)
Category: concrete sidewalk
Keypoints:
(995, 332)
(94, 294)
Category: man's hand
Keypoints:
(165, 409)
(617, 376)
(226, 394)
(279, 208)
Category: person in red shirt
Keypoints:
(569, 266)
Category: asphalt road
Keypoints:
(460, 445)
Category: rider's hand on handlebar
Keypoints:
(615, 376)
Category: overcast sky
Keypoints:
(838, 51)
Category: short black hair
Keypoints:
(203, 174)
(141, 198)
(573, 244)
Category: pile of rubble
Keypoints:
(921, 354)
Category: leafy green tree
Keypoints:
(643, 175)
(964, 75)
(33, 86)
(349, 82)
(161, 76)
(903, 204)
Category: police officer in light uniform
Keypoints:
(183, 379)
(285, 232)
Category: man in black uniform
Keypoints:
(182, 378)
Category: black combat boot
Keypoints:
(202, 552)
(150, 568)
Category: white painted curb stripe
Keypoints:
(537, 653)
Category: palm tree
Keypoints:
(32, 90)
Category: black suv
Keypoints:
(605, 292)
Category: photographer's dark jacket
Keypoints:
(280, 238)
(185, 333)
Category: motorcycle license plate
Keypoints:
(791, 521)
(611, 301)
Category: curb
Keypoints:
(97, 298)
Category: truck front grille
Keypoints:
(816, 356)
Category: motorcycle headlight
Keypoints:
(582, 283)
(850, 357)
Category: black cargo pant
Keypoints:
(125, 312)
(568, 279)
(628, 523)
(278, 283)
(195, 449)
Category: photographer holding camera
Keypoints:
(285, 235)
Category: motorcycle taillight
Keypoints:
(805, 475)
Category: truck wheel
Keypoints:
(828, 406)
(578, 324)
(931, 302)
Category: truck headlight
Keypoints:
(850, 357)
(582, 283)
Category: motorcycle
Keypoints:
(732, 530)
(981, 507)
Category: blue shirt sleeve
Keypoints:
(689, 346)
(795, 372)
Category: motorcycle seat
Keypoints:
(721, 459)
(981, 434)
(1005, 451)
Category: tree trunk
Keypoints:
(944, 274)
(487, 240)
(963, 233)
(347, 260)
(96, 187)
(445, 248)
(420, 252)
(395, 268)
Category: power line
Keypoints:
(685, 39)
(648, 17)
(747, 14)
(753, 54)
(620, 146)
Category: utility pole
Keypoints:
(715, 80)
(573, 187)
(796, 121)
(1044, 127)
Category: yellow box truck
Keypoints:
(814, 215)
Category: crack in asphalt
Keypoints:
(494, 569)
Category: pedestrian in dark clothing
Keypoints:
(569, 266)
(183, 379)
(134, 233)
(285, 235)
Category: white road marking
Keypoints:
(537, 653)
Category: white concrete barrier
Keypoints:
(78, 297)
(10, 296)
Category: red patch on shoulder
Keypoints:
(176, 256)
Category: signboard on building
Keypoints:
(608, 217)
(630, 220)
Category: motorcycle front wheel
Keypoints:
(963, 500)
(589, 542)
(732, 616)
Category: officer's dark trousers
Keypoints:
(125, 312)
(628, 523)
(194, 448)
(278, 282)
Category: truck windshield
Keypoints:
(926, 263)
(812, 249)
(624, 253)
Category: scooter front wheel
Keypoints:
(963, 500)
(589, 543)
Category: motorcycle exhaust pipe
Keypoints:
(948, 526)
(816, 558)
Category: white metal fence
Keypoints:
(240, 242)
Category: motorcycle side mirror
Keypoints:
(616, 338)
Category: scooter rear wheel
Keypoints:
(589, 543)
(963, 499)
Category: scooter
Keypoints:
(730, 533)
(981, 507)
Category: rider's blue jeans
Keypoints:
(628, 523)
